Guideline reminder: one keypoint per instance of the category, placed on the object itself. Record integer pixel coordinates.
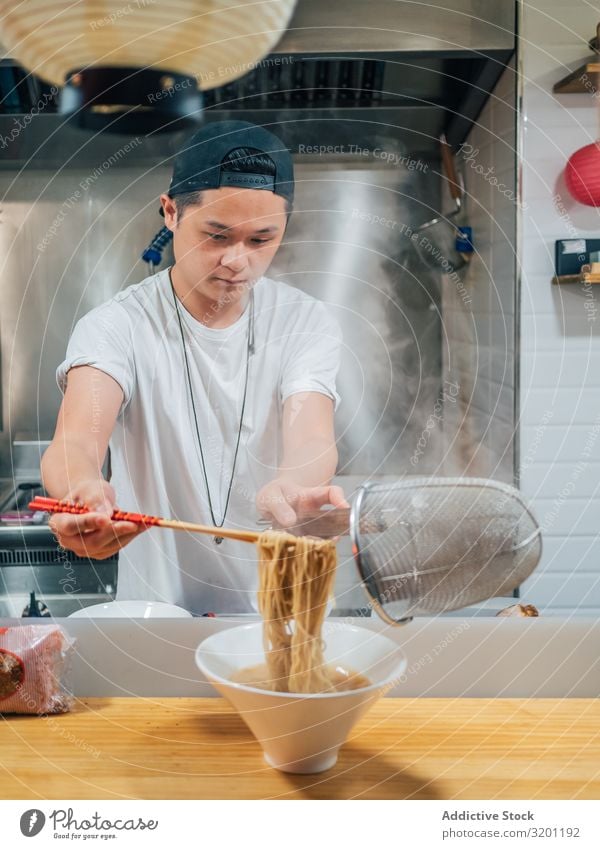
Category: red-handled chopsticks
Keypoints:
(54, 505)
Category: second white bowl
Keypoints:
(132, 610)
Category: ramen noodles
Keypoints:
(296, 577)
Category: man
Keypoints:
(213, 386)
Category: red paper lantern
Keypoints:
(582, 175)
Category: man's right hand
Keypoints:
(93, 534)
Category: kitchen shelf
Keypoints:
(585, 277)
(584, 79)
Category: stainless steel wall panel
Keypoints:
(368, 25)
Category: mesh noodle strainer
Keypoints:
(429, 545)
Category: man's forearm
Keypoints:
(314, 463)
(65, 465)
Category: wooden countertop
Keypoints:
(186, 748)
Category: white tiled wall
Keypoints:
(560, 362)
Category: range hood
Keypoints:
(348, 75)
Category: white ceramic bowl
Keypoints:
(131, 610)
(301, 733)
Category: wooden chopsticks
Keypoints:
(54, 505)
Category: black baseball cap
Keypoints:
(197, 165)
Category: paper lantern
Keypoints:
(148, 57)
(582, 175)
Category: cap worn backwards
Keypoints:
(197, 166)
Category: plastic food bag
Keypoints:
(34, 664)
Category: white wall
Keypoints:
(560, 342)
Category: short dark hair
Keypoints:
(245, 160)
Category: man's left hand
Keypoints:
(286, 502)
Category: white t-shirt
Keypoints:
(156, 465)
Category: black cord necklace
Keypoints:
(249, 352)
